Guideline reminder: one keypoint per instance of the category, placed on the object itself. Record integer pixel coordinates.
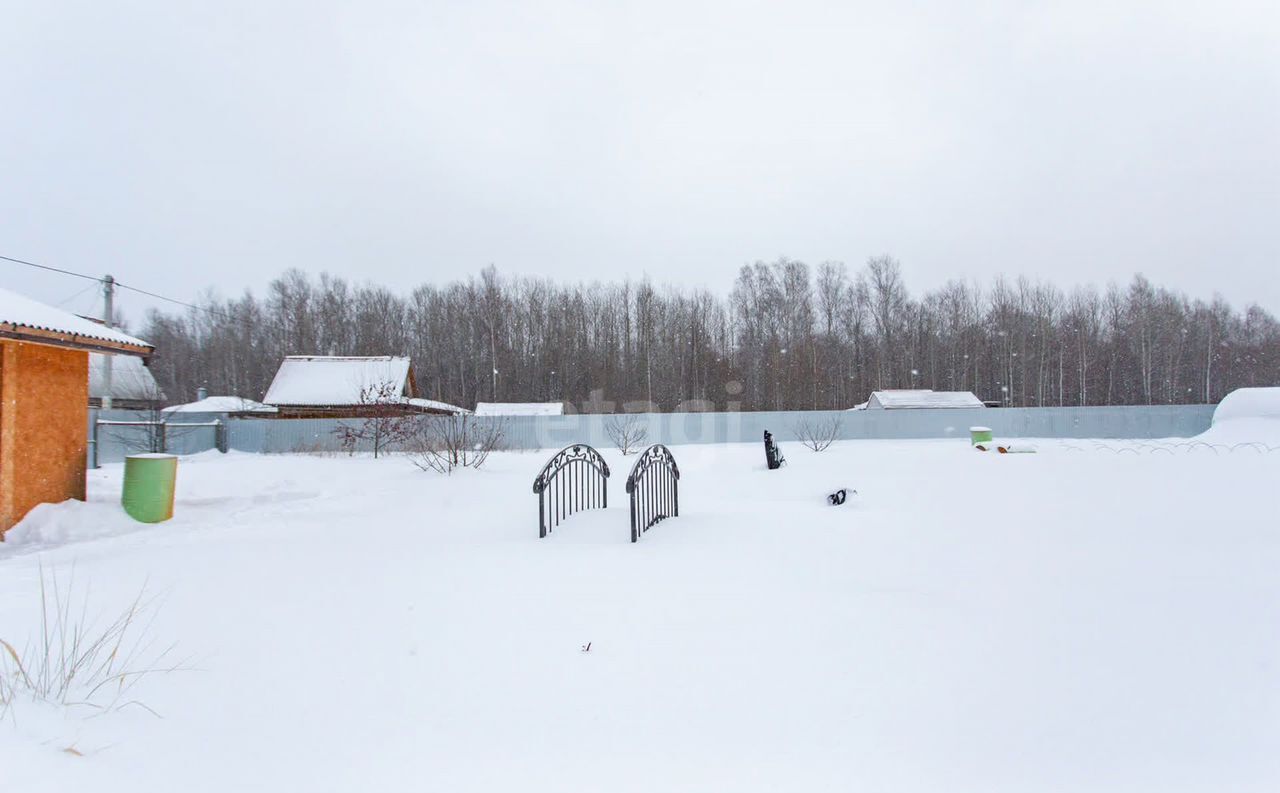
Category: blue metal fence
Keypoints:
(190, 434)
(283, 436)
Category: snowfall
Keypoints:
(1098, 615)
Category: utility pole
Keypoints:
(108, 301)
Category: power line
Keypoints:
(118, 285)
(50, 269)
(205, 309)
(162, 297)
(66, 300)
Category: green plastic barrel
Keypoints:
(979, 435)
(148, 486)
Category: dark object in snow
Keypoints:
(654, 488)
(577, 478)
(1008, 449)
(1018, 450)
(772, 454)
(840, 496)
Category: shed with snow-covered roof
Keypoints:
(348, 386)
(44, 387)
(220, 405)
(519, 408)
(906, 399)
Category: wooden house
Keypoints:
(44, 388)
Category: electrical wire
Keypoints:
(50, 269)
(157, 296)
(162, 297)
(66, 300)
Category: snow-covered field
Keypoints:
(1096, 616)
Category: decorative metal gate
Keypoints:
(654, 487)
(576, 478)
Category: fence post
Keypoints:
(634, 534)
(542, 516)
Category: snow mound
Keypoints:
(69, 521)
(1248, 403)
(1247, 415)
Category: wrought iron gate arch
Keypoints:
(574, 479)
(654, 489)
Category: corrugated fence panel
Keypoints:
(115, 441)
(283, 436)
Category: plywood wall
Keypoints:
(43, 433)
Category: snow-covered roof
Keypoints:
(222, 404)
(922, 398)
(19, 311)
(431, 404)
(519, 408)
(129, 378)
(335, 379)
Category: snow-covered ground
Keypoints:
(1096, 616)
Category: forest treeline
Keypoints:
(788, 336)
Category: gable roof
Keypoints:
(519, 408)
(130, 379)
(30, 320)
(899, 399)
(317, 380)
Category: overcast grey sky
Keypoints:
(180, 146)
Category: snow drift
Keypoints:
(1249, 403)
(1247, 415)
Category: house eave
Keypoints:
(73, 341)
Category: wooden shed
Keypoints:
(348, 386)
(44, 388)
(520, 409)
(921, 398)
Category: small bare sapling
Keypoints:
(443, 443)
(817, 434)
(627, 432)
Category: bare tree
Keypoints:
(145, 430)
(786, 338)
(628, 432)
(383, 422)
(443, 443)
(817, 434)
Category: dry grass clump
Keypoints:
(78, 659)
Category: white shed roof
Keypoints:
(335, 380)
(922, 398)
(432, 404)
(21, 311)
(222, 404)
(129, 378)
(519, 408)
